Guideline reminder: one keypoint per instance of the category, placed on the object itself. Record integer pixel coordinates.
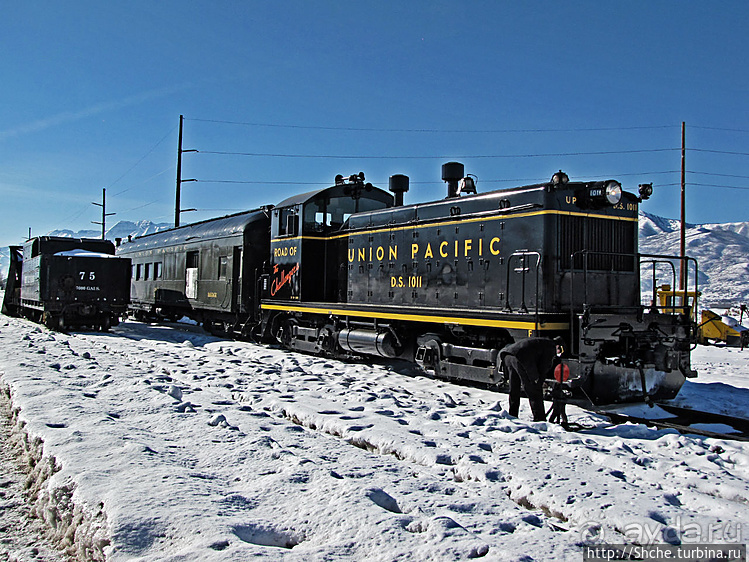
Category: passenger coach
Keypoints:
(206, 271)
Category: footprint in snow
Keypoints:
(384, 500)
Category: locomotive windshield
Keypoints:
(328, 212)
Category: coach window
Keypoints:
(157, 270)
(147, 274)
(132, 272)
(138, 270)
(223, 262)
(191, 260)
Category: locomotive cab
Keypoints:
(306, 235)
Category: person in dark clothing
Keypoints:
(526, 364)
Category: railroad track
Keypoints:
(688, 421)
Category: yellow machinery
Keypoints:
(714, 327)
(674, 301)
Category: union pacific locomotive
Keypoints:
(67, 282)
(350, 270)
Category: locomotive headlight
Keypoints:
(613, 192)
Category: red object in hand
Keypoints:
(562, 373)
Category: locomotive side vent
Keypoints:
(611, 243)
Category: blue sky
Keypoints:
(92, 92)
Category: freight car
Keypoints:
(349, 270)
(67, 282)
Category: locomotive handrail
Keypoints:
(392, 224)
(682, 291)
(656, 259)
(523, 255)
(655, 262)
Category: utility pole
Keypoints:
(179, 173)
(682, 245)
(177, 201)
(104, 213)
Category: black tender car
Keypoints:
(67, 282)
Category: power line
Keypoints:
(393, 130)
(720, 129)
(434, 157)
(139, 161)
(481, 180)
(718, 185)
(719, 175)
(706, 185)
(718, 151)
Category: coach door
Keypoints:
(236, 279)
(191, 274)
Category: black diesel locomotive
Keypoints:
(67, 283)
(350, 270)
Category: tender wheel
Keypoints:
(55, 322)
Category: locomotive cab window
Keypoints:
(326, 213)
(288, 222)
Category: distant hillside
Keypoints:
(722, 252)
(122, 229)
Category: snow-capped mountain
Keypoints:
(721, 250)
(122, 230)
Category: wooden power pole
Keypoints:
(180, 181)
(682, 245)
(177, 202)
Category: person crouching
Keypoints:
(525, 365)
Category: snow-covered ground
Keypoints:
(163, 443)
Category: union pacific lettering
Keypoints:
(466, 248)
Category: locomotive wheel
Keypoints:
(326, 341)
(285, 333)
